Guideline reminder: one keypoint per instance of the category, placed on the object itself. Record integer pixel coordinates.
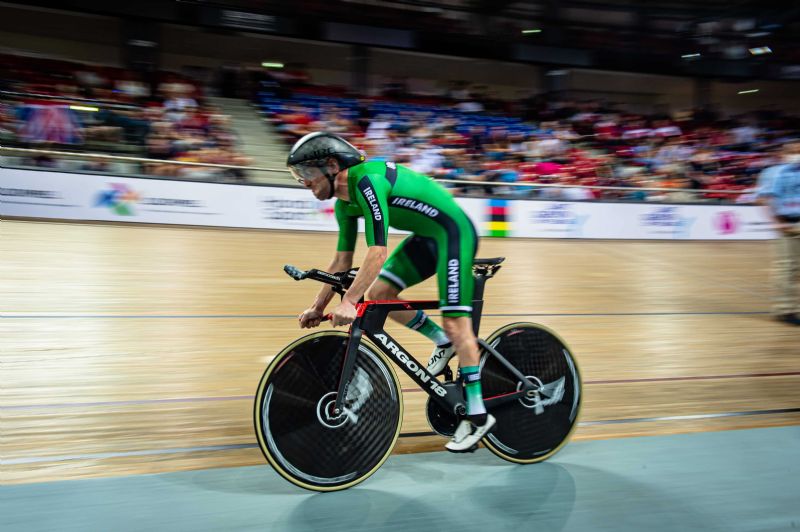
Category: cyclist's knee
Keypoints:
(380, 289)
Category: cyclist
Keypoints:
(443, 241)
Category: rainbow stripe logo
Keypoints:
(120, 199)
(497, 223)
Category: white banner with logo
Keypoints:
(91, 197)
(41, 194)
(550, 219)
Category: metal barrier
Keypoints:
(66, 98)
(123, 158)
(291, 182)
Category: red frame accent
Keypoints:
(501, 395)
(362, 307)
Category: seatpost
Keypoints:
(477, 302)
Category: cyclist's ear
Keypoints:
(332, 166)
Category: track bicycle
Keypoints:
(329, 406)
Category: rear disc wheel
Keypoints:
(536, 426)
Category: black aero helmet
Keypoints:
(308, 156)
(321, 145)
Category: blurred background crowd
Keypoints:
(67, 105)
(462, 134)
(460, 129)
(545, 140)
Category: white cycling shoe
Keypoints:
(467, 435)
(440, 357)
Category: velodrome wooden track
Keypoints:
(134, 349)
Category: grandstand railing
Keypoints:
(701, 195)
(94, 102)
(123, 158)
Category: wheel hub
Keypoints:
(531, 397)
(326, 412)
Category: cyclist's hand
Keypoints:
(310, 318)
(343, 314)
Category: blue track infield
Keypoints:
(740, 480)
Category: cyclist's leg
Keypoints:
(411, 262)
(457, 248)
(459, 330)
(456, 286)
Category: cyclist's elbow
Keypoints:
(378, 252)
(343, 260)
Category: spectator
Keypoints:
(779, 191)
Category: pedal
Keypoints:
(447, 374)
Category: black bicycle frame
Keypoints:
(371, 319)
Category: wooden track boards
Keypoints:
(134, 349)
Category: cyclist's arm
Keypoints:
(342, 261)
(367, 273)
(348, 228)
(371, 195)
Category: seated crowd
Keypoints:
(64, 105)
(468, 138)
(555, 142)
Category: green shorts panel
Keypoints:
(449, 255)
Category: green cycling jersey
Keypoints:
(443, 239)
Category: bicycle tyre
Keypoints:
(522, 435)
(294, 422)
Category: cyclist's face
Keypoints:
(313, 177)
(320, 187)
(305, 174)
